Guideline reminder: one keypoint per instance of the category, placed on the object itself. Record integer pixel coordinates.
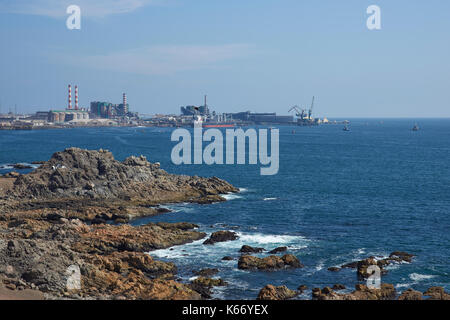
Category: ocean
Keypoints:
(338, 197)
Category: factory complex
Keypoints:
(102, 113)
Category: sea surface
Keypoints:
(338, 197)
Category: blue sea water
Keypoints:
(338, 197)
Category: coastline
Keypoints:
(46, 231)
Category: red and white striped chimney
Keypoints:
(70, 97)
(76, 97)
(125, 110)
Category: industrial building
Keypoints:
(70, 114)
(110, 110)
(193, 110)
(67, 115)
(260, 118)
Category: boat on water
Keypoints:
(218, 125)
(199, 123)
(416, 127)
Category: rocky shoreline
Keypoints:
(71, 214)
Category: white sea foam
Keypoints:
(260, 238)
(231, 196)
(420, 277)
(270, 199)
(361, 251)
(197, 250)
(242, 190)
(320, 265)
(9, 166)
(181, 207)
(404, 285)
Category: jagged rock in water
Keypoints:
(75, 172)
(249, 249)
(411, 294)
(268, 263)
(221, 236)
(271, 292)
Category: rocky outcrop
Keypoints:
(249, 249)
(268, 263)
(204, 286)
(89, 184)
(302, 288)
(411, 294)
(36, 252)
(338, 287)
(362, 292)
(437, 293)
(11, 174)
(53, 227)
(363, 265)
(334, 269)
(221, 236)
(278, 250)
(227, 258)
(271, 292)
(208, 272)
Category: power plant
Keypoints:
(104, 113)
(69, 115)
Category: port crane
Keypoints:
(300, 113)
(311, 109)
(303, 113)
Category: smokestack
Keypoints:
(125, 109)
(76, 97)
(70, 97)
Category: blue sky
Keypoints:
(256, 55)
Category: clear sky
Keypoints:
(258, 55)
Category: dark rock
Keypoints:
(316, 292)
(437, 293)
(271, 292)
(351, 265)
(362, 292)
(334, 269)
(98, 221)
(411, 294)
(227, 258)
(204, 285)
(268, 263)
(221, 236)
(177, 225)
(278, 250)
(163, 210)
(338, 287)
(302, 288)
(16, 223)
(249, 249)
(53, 217)
(403, 256)
(208, 282)
(11, 174)
(208, 272)
(20, 166)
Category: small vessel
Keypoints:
(218, 125)
(346, 128)
(416, 127)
